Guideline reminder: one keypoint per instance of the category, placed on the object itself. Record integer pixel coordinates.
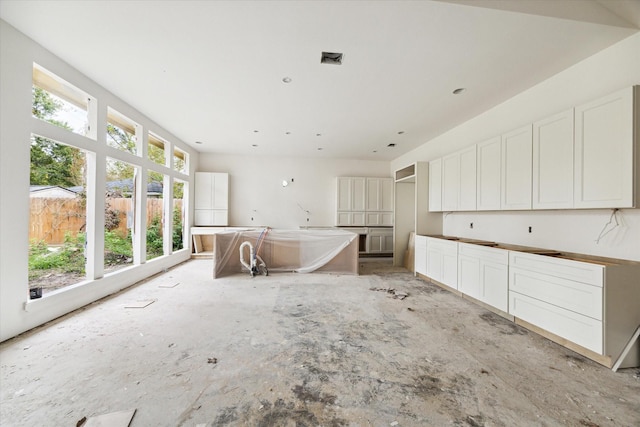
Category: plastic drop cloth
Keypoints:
(300, 251)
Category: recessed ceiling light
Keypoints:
(375, 151)
(255, 131)
(286, 79)
(400, 132)
(391, 145)
(318, 134)
(319, 148)
(254, 145)
(199, 142)
(459, 91)
(287, 133)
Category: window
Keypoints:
(180, 161)
(60, 103)
(155, 149)
(57, 215)
(122, 132)
(119, 215)
(178, 225)
(155, 215)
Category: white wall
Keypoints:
(256, 191)
(575, 231)
(17, 313)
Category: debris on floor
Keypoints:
(393, 293)
(212, 360)
(169, 286)
(114, 419)
(140, 304)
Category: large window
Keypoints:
(57, 216)
(119, 215)
(67, 189)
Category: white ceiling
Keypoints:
(212, 71)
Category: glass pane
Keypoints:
(178, 215)
(155, 215)
(57, 216)
(180, 159)
(119, 215)
(121, 132)
(155, 149)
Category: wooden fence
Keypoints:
(51, 218)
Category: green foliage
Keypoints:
(53, 163)
(121, 139)
(177, 228)
(117, 249)
(69, 258)
(154, 238)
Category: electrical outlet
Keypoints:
(530, 229)
(470, 225)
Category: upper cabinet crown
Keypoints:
(584, 157)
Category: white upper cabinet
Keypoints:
(604, 152)
(451, 182)
(516, 169)
(211, 200)
(380, 194)
(435, 185)
(467, 179)
(351, 193)
(459, 180)
(553, 162)
(489, 167)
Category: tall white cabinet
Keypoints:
(211, 200)
(516, 169)
(364, 201)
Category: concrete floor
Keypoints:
(302, 350)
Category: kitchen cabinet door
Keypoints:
(435, 185)
(420, 262)
(516, 169)
(451, 182)
(604, 152)
(489, 167)
(467, 192)
(553, 162)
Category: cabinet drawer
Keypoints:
(575, 327)
(578, 297)
(578, 271)
(488, 254)
(446, 247)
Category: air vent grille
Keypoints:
(333, 58)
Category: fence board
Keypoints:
(51, 218)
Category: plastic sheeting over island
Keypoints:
(300, 251)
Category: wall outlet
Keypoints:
(530, 229)
(470, 225)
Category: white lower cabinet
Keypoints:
(442, 261)
(589, 304)
(380, 240)
(420, 253)
(483, 274)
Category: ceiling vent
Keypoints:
(331, 58)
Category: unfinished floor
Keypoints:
(302, 350)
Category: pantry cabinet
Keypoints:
(211, 199)
(605, 151)
(364, 201)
